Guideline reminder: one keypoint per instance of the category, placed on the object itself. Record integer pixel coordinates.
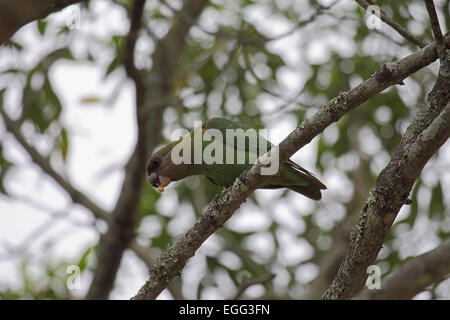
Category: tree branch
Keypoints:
(16, 13)
(424, 136)
(247, 283)
(122, 221)
(436, 28)
(223, 206)
(76, 195)
(128, 60)
(397, 27)
(153, 92)
(149, 258)
(414, 276)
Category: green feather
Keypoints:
(291, 174)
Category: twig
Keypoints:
(436, 28)
(414, 276)
(320, 10)
(52, 212)
(247, 283)
(229, 200)
(286, 101)
(239, 35)
(397, 27)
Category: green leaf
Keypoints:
(118, 42)
(147, 202)
(42, 107)
(42, 26)
(13, 44)
(5, 165)
(414, 204)
(82, 263)
(113, 65)
(163, 240)
(200, 290)
(63, 30)
(212, 263)
(64, 144)
(437, 208)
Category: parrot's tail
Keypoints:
(312, 191)
(299, 180)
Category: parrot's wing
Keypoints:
(222, 124)
(255, 149)
(259, 147)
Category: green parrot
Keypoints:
(164, 166)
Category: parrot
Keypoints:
(161, 168)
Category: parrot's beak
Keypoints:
(158, 181)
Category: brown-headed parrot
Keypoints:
(162, 168)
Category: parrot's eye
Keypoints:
(154, 164)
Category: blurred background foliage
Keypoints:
(238, 63)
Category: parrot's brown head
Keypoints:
(161, 170)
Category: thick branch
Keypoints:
(225, 204)
(128, 60)
(420, 141)
(123, 219)
(16, 13)
(148, 256)
(152, 95)
(397, 27)
(414, 276)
